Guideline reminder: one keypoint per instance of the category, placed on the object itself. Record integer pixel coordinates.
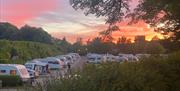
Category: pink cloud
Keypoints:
(20, 11)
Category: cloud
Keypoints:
(20, 11)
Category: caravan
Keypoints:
(95, 58)
(15, 69)
(39, 68)
(54, 63)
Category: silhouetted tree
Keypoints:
(8, 31)
(28, 33)
(161, 14)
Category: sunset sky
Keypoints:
(59, 19)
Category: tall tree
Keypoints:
(164, 15)
(113, 10)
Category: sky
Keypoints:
(59, 19)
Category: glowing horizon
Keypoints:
(59, 19)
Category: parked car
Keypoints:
(15, 69)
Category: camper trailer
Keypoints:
(15, 69)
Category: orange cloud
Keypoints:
(129, 31)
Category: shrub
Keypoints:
(152, 74)
(8, 80)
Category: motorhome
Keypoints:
(15, 69)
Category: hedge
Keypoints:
(8, 80)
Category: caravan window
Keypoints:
(55, 62)
(3, 71)
(91, 58)
(13, 72)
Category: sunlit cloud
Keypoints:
(20, 11)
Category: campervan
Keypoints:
(15, 69)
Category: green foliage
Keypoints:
(64, 45)
(26, 33)
(8, 80)
(98, 46)
(160, 12)
(152, 74)
(21, 51)
(7, 31)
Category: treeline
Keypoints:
(22, 51)
(152, 74)
(124, 45)
(25, 33)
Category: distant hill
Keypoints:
(21, 51)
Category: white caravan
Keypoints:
(53, 62)
(75, 56)
(131, 57)
(121, 59)
(15, 69)
(95, 58)
(64, 60)
(39, 67)
(109, 58)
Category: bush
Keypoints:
(21, 51)
(153, 74)
(8, 80)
